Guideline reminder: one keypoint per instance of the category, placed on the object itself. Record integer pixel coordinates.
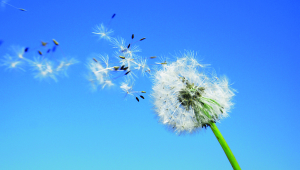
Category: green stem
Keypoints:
(225, 147)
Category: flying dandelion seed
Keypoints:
(127, 88)
(122, 66)
(123, 49)
(127, 58)
(119, 44)
(5, 2)
(103, 32)
(16, 61)
(42, 68)
(64, 64)
(18, 51)
(142, 66)
(101, 72)
(11, 63)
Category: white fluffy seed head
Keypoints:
(186, 99)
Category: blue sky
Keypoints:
(63, 125)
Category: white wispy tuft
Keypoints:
(103, 32)
(42, 66)
(105, 70)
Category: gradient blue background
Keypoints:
(64, 126)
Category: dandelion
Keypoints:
(186, 100)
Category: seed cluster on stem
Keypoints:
(186, 98)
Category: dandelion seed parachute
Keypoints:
(103, 32)
(43, 68)
(127, 87)
(128, 61)
(4, 2)
(11, 63)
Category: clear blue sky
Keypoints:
(64, 126)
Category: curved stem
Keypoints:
(225, 147)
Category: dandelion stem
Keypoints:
(225, 147)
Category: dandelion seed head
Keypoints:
(186, 99)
